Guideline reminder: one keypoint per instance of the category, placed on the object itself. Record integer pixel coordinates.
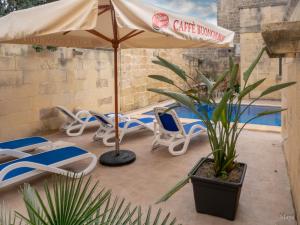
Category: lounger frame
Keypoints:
(20, 152)
(76, 125)
(106, 131)
(53, 168)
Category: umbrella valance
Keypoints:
(80, 23)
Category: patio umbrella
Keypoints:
(111, 24)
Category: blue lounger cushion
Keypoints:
(134, 124)
(188, 127)
(168, 122)
(24, 142)
(92, 119)
(44, 158)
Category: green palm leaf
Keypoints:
(7, 218)
(250, 88)
(270, 112)
(174, 189)
(162, 78)
(179, 97)
(70, 201)
(176, 69)
(249, 71)
(276, 87)
(203, 78)
(221, 106)
(219, 81)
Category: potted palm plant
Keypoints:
(217, 180)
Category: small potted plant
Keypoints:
(218, 178)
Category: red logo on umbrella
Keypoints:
(160, 20)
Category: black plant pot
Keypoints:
(217, 198)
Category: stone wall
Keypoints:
(291, 118)
(251, 44)
(291, 124)
(136, 65)
(261, 3)
(32, 83)
(213, 61)
(252, 15)
(292, 7)
(229, 16)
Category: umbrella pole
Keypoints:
(116, 88)
(117, 157)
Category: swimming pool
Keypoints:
(270, 120)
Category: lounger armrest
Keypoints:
(139, 122)
(14, 153)
(196, 126)
(32, 165)
(52, 169)
(201, 127)
(83, 113)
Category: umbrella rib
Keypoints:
(103, 11)
(114, 25)
(104, 6)
(96, 33)
(129, 35)
(65, 33)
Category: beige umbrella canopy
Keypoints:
(110, 24)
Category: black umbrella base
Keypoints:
(112, 159)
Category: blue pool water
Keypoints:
(271, 120)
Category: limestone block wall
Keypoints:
(290, 128)
(294, 7)
(229, 16)
(136, 65)
(252, 16)
(214, 61)
(251, 44)
(32, 83)
(291, 118)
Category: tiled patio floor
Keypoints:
(265, 198)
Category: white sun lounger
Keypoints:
(77, 122)
(172, 132)
(17, 148)
(51, 161)
(106, 131)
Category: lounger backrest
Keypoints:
(66, 112)
(102, 119)
(168, 120)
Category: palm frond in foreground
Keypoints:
(70, 201)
